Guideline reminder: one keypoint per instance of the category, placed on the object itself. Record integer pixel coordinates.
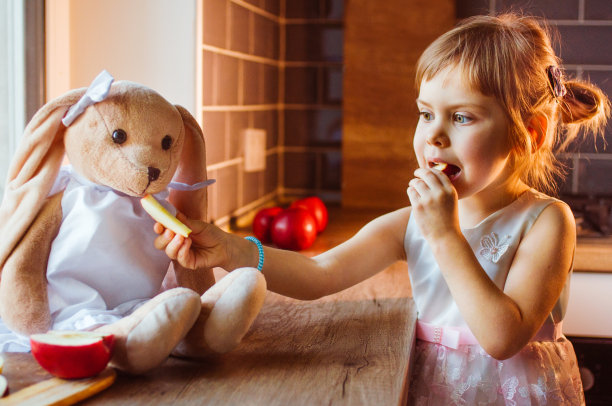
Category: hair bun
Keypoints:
(583, 102)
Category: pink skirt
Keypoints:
(542, 373)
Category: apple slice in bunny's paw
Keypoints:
(72, 354)
(162, 216)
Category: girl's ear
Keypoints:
(33, 171)
(191, 169)
(538, 128)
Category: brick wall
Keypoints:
(585, 47)
(275, 65)
(240, 71)
(313, 98)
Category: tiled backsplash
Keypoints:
(240, 69)
(312, 97)
(278, 65)
(585, 47)
(274, 65)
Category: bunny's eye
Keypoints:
(119, 136)
(166, 142)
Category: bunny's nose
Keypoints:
(153, 173)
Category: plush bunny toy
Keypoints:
(77, 248)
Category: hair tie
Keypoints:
(555, 81)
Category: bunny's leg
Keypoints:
(24, 305)
(228, 311)
(144, 339)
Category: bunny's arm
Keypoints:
(193, 204)
(24, 305)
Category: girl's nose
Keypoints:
(438, 138)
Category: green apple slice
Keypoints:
(163, 216)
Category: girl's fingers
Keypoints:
(195, 225)
(158, 228)
(183, 252)
(413, 195)
(430, 176)
(163, 239)
(419, 185)
(435, 180)
(173, 247)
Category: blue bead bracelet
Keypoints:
(261, 252)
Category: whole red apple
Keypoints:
(72, 354)
(294, 229)
(317, 208)
(262, 223)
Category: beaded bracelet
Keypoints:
(261, 252)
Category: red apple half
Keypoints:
(294, 229)
(3, 386)
(317, 208)
(262, 223)
(72, 354)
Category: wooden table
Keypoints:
(351, 348)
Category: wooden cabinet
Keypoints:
(383, 41)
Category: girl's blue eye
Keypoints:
(462, 119)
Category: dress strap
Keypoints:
(549, 332)
(453, 337)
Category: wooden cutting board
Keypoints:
(56, 391)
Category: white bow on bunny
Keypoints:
(77, 250)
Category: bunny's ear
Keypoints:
(191, 170)
(33, 171)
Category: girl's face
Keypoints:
(463, 128)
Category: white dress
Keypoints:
(103, 264)
(545, 372)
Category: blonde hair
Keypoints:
(508, 57)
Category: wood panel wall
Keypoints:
(383, 41)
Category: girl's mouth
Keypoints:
(450, 170)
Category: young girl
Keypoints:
(489, 254)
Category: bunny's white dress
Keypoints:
(103, 264)
(449, 366)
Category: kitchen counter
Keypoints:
(593, 255)
(350, 348)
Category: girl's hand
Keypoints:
(204, 248)
(434, 203)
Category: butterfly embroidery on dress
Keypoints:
(491, 248)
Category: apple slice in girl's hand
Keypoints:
(163, 216)
(441, 166)
(72, 354)
(448, 170)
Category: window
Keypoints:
(21, 72)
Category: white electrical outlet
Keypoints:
(254, 149)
